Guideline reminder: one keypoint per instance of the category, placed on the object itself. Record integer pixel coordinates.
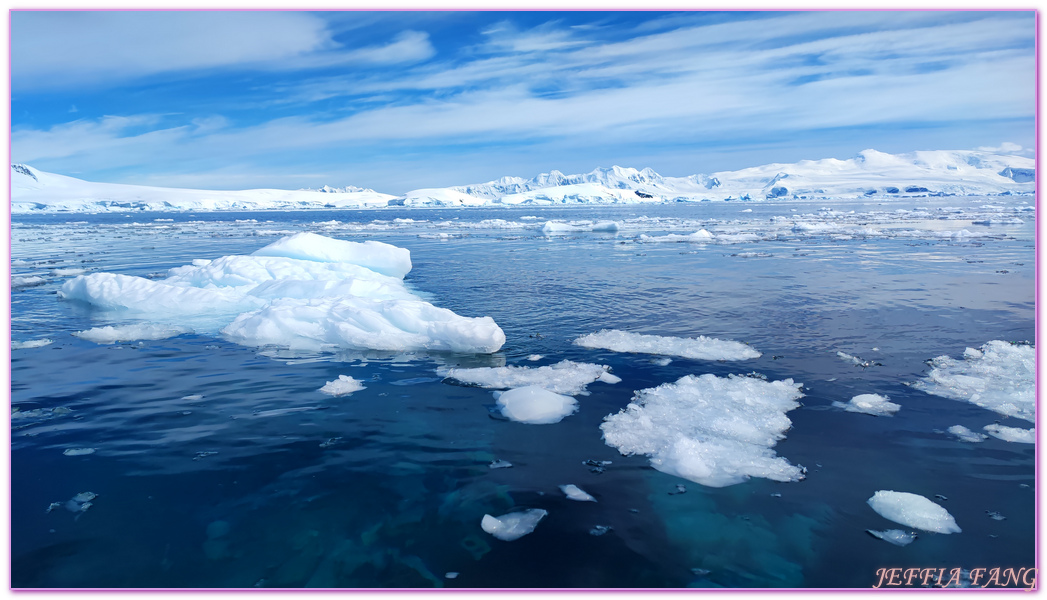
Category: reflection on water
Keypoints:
(217, 465)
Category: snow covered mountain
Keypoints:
(870, 173)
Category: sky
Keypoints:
(396, 101)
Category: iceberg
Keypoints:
(913, 510)
(565, 377)
(715, 431)
(512, 526)
(303, 292)
(1000, 377)
(870, 404)
(535, 405)
(701, 348)
(1012, 434)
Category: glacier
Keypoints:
(869, 174)
(303, 292)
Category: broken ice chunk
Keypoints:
(870, 404)
(500, 464)
(966, 435)
(1012, 434)
(701, 348)
(451, 574)
(913, 510)
(342, 386)
(78, 451)
(599, 530)
(84, 497)
(893, 536)
(203, 454)
(995, 516)
(53, 506)
(680, 489)
(535, 405)
(331, 442)
(512, 526)
(573, 492)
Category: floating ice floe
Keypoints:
(565, 377)
(22, 281)
(701, 348)
(1000, 377)
(67, 272)
(913, 510)
(342, 386)
(135, 331)
(698, 237)
(553, 227)
(574, 492)
(1012, 434)
(16, 345)
(966, 435)
(304, 292)
(715, 431)
(535, 405)
(500, 464)
(512, 526)
(870, 404)
(893, 536)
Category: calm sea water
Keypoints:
(217, 465)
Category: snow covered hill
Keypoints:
(870, 173)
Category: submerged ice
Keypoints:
(305, 292)
(716, 431)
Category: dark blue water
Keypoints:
(258, 480)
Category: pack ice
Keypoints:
(913, 510)
(305, 292)
(716, 431)
(1000, 377)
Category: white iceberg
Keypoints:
(913, 510)
(135, 331)
(535, 405)
(716, 431)
(512, 526)
(1000, 377)
(966, 435)
(304, 292)
(870, 404)
(574, 492)
(702, 348)
(1012, 434)
(565, 377)
(342, 386)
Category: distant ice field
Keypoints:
(219, 464)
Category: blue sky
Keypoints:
(402, 100)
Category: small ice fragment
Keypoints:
(573, 492)
(776, 495)
(701, 572)
(599, 530)
(451, 575)
(186, 412)
(53, 506)
(203, 454)
(966, 435)
(500, 464)
(680, 489)
(564, 377)
(1012, 434)
(940, 497)
(913, 510)
(85, 506)
(1023, 485)
(78, 451)
(31, 344)
(870, 404)
(893, 536)
(534, 357)
(535, 405)
(193, 397)
(331, 442)
(995, 516)
(663, 361)
(84, 497)
(342, 386)
(513, 526)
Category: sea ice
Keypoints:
(701, 348)
(870, 404)
(135, 331)
(535, 405)
(893, 536)
(913, 510)
(715, 431)
(305, 292)
(16, 345)
(565, 377)
(966, 435)
(342, 386)
(1000, 377)
(513, 526)
(1012, 434)
(573, 492)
